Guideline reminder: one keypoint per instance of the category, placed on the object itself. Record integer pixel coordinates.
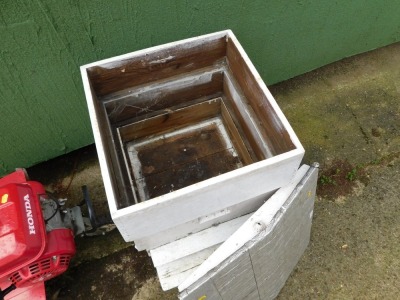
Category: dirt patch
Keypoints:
(151, 290)
(117, 276)
(65, 176)
(339, 179)
(355, 245)
(93, 248)
(59, 171)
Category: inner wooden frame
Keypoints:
(151, 83)
(201, 138)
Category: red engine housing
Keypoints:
(28, 253)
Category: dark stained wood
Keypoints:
(122, 190)
(165, 90)
(156, 65)
(276, 135)
(155, 113)
(158, 153)
(179, 149)
(235, 136)
(132, 104)
(172, 120)
(190, 173)
(252, 140)
(181, 158)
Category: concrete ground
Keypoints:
(347, 115)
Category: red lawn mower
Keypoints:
(37, 235)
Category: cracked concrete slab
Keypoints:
(349, 109)
(355, 244)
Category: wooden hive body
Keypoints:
(188, 137)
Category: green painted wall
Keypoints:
(43, 42)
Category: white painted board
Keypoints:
(177, 260)
(207, 197)
(255, 261)
(196, 225)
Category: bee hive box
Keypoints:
(188, 136)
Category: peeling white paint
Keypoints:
(162, 60)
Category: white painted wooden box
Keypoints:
(188, 136)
